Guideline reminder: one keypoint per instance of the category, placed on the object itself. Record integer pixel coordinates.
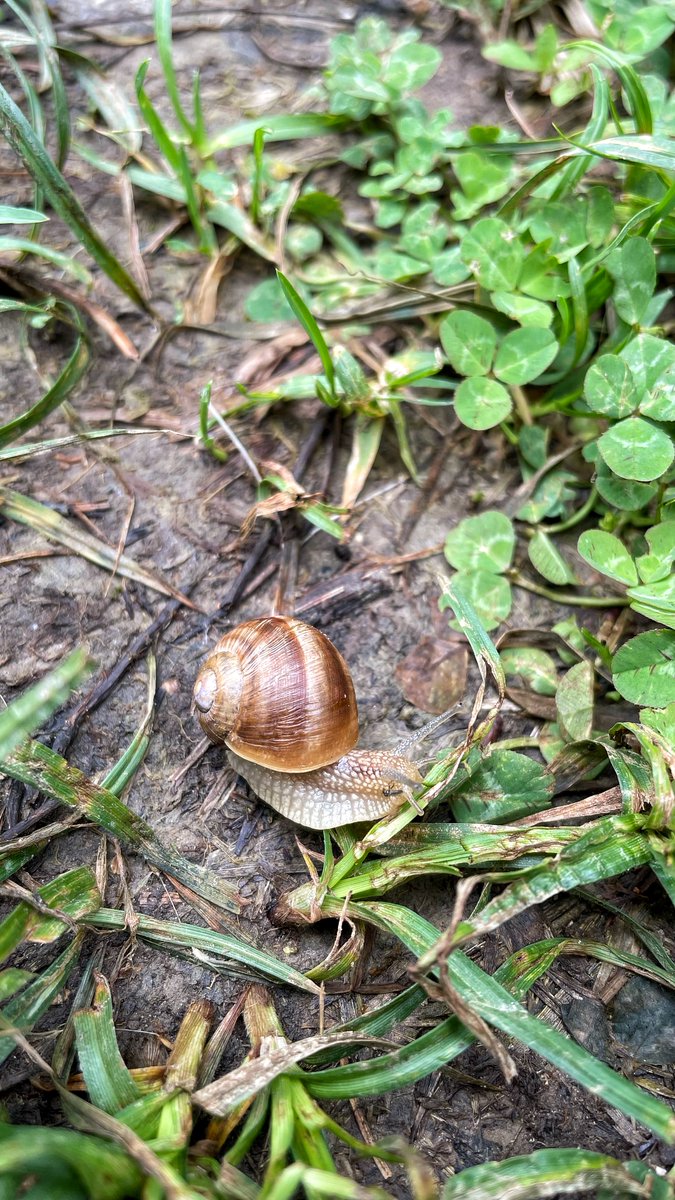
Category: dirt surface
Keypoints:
(184, 524)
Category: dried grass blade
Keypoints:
(59, 529)
(33, 449)
(226, 1093)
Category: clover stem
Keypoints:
(576, 516)
(522, 406)
(568, 597)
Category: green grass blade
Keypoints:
(576, 169)
(282, 127)
(494, 1004)
(470, 624)
(218, 951)
(154, 122)
(544, 1173)
(163, 38)
(64, 262)
(109, 1082)
(651, 151)
(32, 709)
(68, 379)
(20, 216)
(311, 328)
(37, 766)
(25, 1010)
(74, 893)
(61, 196)
(41, 30)
(105, 1171)
(11, 981)
(13, 862)
(207, 238)
(258, 166)
(630, 81)
(611, 847)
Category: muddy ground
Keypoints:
(187, 510)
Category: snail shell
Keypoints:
(278, 693)
(280, 696)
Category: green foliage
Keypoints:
(481, 550)
(544, 284)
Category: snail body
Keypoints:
(280, 696)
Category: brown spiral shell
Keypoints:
(278, 693)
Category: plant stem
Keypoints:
(522, 406)
(576, 516)
(568, 597)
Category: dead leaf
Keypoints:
(433, 675)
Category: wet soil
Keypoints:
(183, 511)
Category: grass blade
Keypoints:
(282, 127)
(611, 847)
(73, 894)
(38, 767)
(65, 262)
(153, 120)
(59, 529)
(25, 1010)
(32, 709)
(311, 328)
(546, 1173)
(207, 947)
(32, 449)
(105, 1171)
(494, 1004)
(61, 196)
(42, 32)
(57, 393)
(20, 216)
(224, 1094)
(163, 39)
(109, 1082)
(366, 438)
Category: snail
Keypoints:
(280, 696)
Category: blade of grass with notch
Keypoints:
(109, 1082)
